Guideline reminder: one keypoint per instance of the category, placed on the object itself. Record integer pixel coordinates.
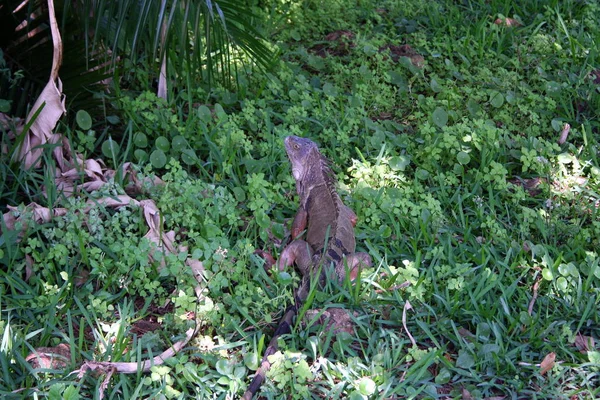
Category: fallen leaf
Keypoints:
(50, 357)
(47, 109)
(584, 343)
(564, 133)
(548, 363)
(335, 318)
(510, 22)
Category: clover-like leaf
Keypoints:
(440, 117)
(496, 99)
(463, 157)
(162, 143)
(140, 140)
(84, 120)
(110, 148)
(158, 158)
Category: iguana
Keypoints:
(329, 242)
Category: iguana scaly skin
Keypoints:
(329, 242)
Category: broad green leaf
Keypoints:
(71, 393)
(422, 174)
(113, 119)
(547, 274)
(473, 107)
(329, 89)
(557, 124)
(204, 113)
(443, 376)
(158, 158)
(367, 386)
(140, 140)
(110, 148)
(224, 367)
(565, 158)
(284, 277)
(179, 143)
(162, 143)
(262, 219)
(496, 99)
(399, 163)
(398, 80)
(369, 49)
(189, 157)
(251, 361)
(594, 357)
(140, 155)
(239, 193)
(220, 111)
(84, 120)
(511, 97)
(5, 105)
(553, 87)
(463, 157)
(440, 117)
(435, 86)
(561, 284)
(465, 360)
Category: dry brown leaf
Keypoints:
(548, 363)
(510, 22)
(536, 287)
(28, 267)
(466, 395)
(335, 318)
(564, 133)
(162, 78)
(50, 357)
(584, 343)
(50, 104)
(407, 306)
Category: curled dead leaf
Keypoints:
(47, 109)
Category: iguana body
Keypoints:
(329, 241)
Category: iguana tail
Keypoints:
(285, 326)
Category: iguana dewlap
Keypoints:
(328, 243)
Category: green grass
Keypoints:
(471, 210)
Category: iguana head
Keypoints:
(299, 151)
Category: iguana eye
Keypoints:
(296, 146)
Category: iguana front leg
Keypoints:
(299, 223)
(298, 252)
